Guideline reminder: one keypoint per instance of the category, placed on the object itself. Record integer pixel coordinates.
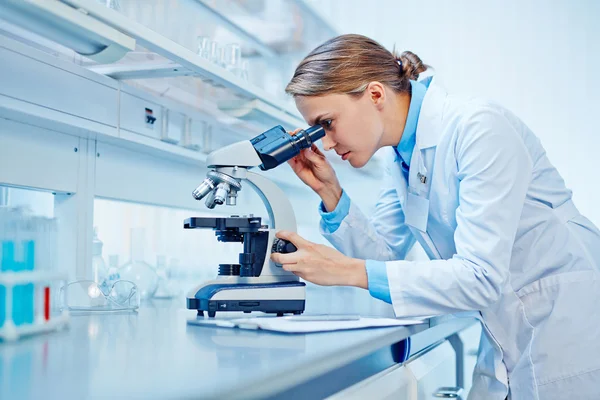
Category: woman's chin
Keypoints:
(356, 162)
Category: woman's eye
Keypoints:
(326, 123)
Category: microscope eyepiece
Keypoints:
(276, 146)
(305, 138)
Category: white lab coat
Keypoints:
(510, 248)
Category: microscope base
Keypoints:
(276, 298)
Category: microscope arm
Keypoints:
(279, 208)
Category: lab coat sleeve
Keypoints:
(494, 171)
(382, 237)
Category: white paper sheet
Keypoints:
(305, 323)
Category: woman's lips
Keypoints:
(345, 156)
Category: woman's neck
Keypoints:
(394, 119)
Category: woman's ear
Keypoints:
(376, 92)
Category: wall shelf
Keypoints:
(184, 60)
(247, 36)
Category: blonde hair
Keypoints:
(348, 63)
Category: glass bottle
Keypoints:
(166, 287)
(113, 268)
(99, 268)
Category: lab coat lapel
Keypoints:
(429, 129)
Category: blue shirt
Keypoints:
(331, 221)
(407, 143)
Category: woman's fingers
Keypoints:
(293, 237)
(285, 259)
(316, 149)
(311, 156)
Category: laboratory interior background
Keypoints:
(100, 154)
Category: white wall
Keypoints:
(538, 58)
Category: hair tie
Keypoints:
(400, 64)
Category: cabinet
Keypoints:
(419, 378)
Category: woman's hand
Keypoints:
(321, 264)
(316, 172)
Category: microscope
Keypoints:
(256, 283)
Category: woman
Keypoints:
(472, 184)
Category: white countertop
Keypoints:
(155, 354)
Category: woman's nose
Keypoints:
(328, 143)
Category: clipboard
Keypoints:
(305, 323)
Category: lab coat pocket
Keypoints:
(563, 310)
(417, 211)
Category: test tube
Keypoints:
(3, 227)
(234, 58)
(19, 256)
(204, 44)
(114, 4)
(214, 52)
(244, 70)
(11, 252)
(28, 264)
(222, 62)
(207, 139)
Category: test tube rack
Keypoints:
(44, 319)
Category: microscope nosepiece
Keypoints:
(220, 188)
(205, 188)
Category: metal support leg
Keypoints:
(458, 347)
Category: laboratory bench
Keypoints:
(154, 353)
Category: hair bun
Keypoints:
(410, 65)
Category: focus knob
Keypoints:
(283, 246)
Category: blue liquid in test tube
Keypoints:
(2, 305)
(5, 265)
(23, 295)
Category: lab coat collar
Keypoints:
(429, 127)
(407, 143)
